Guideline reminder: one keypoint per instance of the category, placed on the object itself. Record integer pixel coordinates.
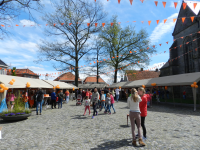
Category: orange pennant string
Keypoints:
(142, 1)
(103, 24)
(175, 4)
(111, 24)
(149, 22)
(130, 52)
(94, 62)
(195, 49)
(182, 37)
(165, 20)
(192, 18)
(164, 4)
(88, 24)
(17, 25)
(156, 2)
(181, 45)
(131, 1)
(195, 4)
(160, 44)
(2, 25)
(70, 24)
(167, 42)
(119, 22)
(46, 24)
(153, 46)
(157, 21)
(118, 1)
(54, 24)
(184, 5)
(183, 19)
(96, 24)
(174, 20)
(95, 0)
(142, 21)
(62, 23)
(147, 48)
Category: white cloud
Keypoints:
(29, 46)
(34, 68)
(27, 23)
(163, 29)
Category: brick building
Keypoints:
(93, 80)
(68, 78)
(3, 68)
(25, 73)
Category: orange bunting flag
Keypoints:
(160, 44)
(130, 52)
(157, 21)
(184, 5)
(54, 24)
(167, 42)
(174, 20)
(195, 49)
(164, 4)
(46, 24)
(149, 22)
(192, 18)
(195, 4)
(156, 2)
(181, 45)
(2, 25)
(104, 59)
(113, 57)
(138, 61)
(131, 1)
(183, 19)
(153, 46)
(142, 21)
(182, 37)
(142, 1)
(135, 51)
(119, 22)
(103, 24)
(111, 24)
(94, 62)
(175, 4)
(147, 48)
(17, 25)
(165, 20)
(88, 24)
(70, 24)
(118, 1)
(62, 23)
(96, 24)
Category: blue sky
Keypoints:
(20, 48)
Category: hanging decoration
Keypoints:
(28, 84)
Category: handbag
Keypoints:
(56, 99)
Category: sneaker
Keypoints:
(83, 114)
(36, 113)
(109, 113)
(105, 112)
(92, 117)
(114, 112)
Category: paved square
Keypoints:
(168, 128)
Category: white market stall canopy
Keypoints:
(20, 82)
(62, 85)
(91, 86)
(175, 80)
(119, 84)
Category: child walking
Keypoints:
(25, 99)
(112, 102)
(108, 103)
(87, 105)
(103, 99)
(95, 98)
(134, 114)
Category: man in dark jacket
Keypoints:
(53, 99)
(60, 99)
(39, 97)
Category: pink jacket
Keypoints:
(12, 97)
(112, 99)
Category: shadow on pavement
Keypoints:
(114, 144)
(9, 122)
(124, 126)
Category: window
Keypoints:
(188, 56)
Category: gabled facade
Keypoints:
(93, 80)
(25, 73)
(3, 68)
(68, 78)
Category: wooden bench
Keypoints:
(127, 119)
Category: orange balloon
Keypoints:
(192, 85)
(2, 85)
(195, 83)
(6, 88)
(11, 82)
(1, 90)
(196, 86)
(165, 87)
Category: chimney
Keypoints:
(141, 69)
(157, 70)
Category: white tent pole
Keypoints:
(194, 97)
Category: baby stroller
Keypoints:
(78, 100)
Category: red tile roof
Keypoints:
(140, 75)
(23, 71)
(67, 77)
(93, 79)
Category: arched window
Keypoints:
(188, 58)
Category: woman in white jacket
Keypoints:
(133, 103)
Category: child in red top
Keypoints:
(112, 102)
(143, 109)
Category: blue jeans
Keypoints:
(103, 105)
(26, 106)
(112, 105)
(39, 103)
(184, 96)
(117, 98)
(108, 108)
(67, 99)
(60, 103)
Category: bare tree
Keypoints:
(124, 46)
(72, 25)
(11, 9)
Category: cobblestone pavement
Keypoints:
(168, 128)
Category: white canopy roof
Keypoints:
(175, 80)
(20, 82)
(62, 85)
(91, 86)
(122, 84)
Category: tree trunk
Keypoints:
(76, 74)
(115, 77)
(97, 67)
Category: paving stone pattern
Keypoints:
(168, 128)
